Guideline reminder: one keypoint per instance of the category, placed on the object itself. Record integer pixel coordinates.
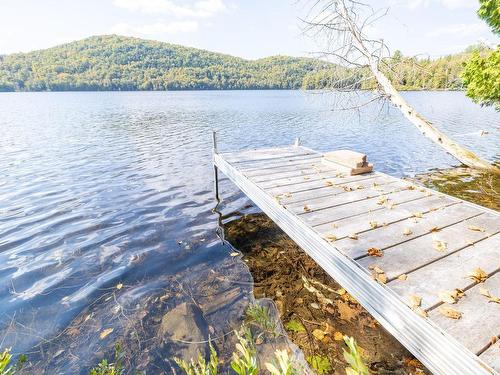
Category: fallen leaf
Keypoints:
(450, 296)
(373, 224)
(353, 236)
(485, 292)
(105, 333)
(306, 208)
(359, 187)
(415, 301)
(391, 205)
(434, 229)
(314, 305)
(318, 334)
(420, 311)
(449, 312)
(478, 275)
(410, 187)
(407, 231)
(475, 228)
(341, 291)
(307, 178)
(375, 268)
(374, 252)
(380, 277)
(346, 312)
(234, 254)
(331, 238)
(382, 200)
(328, 183)
(417, 214)
(403, 277)
(347, 188)
(338, 336)
(119, 286)
(335, 225)
(439, 245)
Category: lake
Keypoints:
(106, 200)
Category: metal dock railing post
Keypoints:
(216, 172)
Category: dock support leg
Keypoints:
(216, 171)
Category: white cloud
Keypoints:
(157, 28)
(197, 9)
(460, 30)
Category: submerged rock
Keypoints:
(185, 330)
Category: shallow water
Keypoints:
(106, 189)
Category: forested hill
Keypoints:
(114, 62)
(121, 63)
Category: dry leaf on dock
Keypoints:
(407, 231)
(475, 228)
(478, 275)
(439, 245)
(417, 214)
(420, 311)
(306, 209)
(450, 296)
(353, 236)
(403, 277)
(485, 292)
(449, 312)
(415, 301)
(434, 229)
(331, 238)
(373, 224)
(374, 252)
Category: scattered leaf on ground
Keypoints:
(105, 333)
(382, 200)
(485, 292)
(306, 209)
(407, 231)
(417, 214)
(439, 245)
(478, 275)
(331, 238)
(346, 312)
(420, 311)
(318, 334)
(415, 301)
(449, 312)
(374, 252)
(353, 236)
(328, 183)
(475, 228)
(373, 224)
(338, 336)
(410, 187)
(434, 229)
(450, 296)
(314, 305)
(403, 277)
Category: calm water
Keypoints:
(106, 189)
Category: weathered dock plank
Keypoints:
(432, 238)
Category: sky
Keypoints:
(245, 28)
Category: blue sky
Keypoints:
(250, 28)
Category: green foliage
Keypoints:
(8, 369)
(353, 357)
(489, 11)
(295, 326)
(319, 363)
(283, 365)
(260, 315)
(482, 78)
(110, 368)
(200, 367)
(244, 360)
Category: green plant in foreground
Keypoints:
(319, 363)
(353, 357)
(110, 368)
(283, 365)
(295, 326)
(260, 315)
(245, 356)
(201, 367)
(5, 358)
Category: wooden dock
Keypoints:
(399, 249)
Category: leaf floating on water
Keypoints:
(234, 254)
(105, 333)
(449, 312)
(353, 236)
(318, 334)
(403, 277)
(485, 292)
(475, 228)
(119, 286)
(373, 224)
(478, 275)
(415, 301)
(439, 245)
(338, 336)
(306, 209)
(450, 296)
(407, 231)
(434, 229)
(374, 252)
(417, 214)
